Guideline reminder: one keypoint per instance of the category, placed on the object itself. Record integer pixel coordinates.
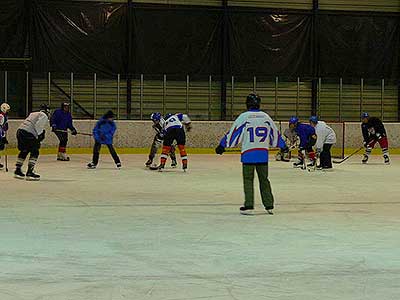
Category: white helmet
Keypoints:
(5, 108)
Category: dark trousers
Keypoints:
(96, 153)
(325, 157)
(157, 143)
(265, 185)
(63, 138)
(28, 144)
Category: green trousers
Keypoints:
(265, 185)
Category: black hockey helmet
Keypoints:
(64, 104)
(253, 101)
(45, 108)
(109, 115)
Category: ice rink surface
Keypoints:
(110, 234)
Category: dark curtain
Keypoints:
(12, 28)
(359, 46)
(176, 41)
(84, 37)
(270, 44)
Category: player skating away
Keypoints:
(173, 131)
(374, 132)
(103, 134)
(4, 109)
(29, 135)
(256, 132)
(61, 121)
(308, 138)
(158, 125)
(326, 138)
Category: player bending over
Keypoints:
(29, 135)
(291, 140)
(173, 131)
(257, 132)
(374, 132)
(158, 125)
(103, 134)
(308, 138)
(326, 138)
(61, 121)
(4, 109)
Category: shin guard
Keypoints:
(183, 154)
(164, 155)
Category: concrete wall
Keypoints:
(205, 134)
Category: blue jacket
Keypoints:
(61, 120)
(304, 131)
(104, 131)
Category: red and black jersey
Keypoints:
(373, 129)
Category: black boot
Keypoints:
(247, 211)
(31, 176)
(149, 162)
(18, 173)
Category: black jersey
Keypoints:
(373, 129)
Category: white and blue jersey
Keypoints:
(256, 132)
(175, 121)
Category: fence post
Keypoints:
(276, 97)
(27, 93)
(5, 86)
(71, 91)
(209, 96)
(118, 95)
(319, 97)
(340, 98)
(232, 95)
(164, 93)
(141, 95)
(255, 84)
(187, 93)
(361, 95)
(49, 88)
(94, 95)
(298, 96)
(382, 99)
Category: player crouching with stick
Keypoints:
(308, 138)
(374, 132)
(29, 135)
(257, 132)
(61, 120)
(326, 138)
(103, 133)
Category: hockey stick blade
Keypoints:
(347, 157)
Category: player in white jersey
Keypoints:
(257, 132)
(173, 131)
(29, 135)
(326, 138)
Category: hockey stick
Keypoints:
(347, 157)
(6, 157)
(80, 133)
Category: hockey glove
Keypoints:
(74, 132)
(42, 136)
(219, 150)
(188, 127)
(4, 141)
(53, 129)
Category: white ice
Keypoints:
(110, 234)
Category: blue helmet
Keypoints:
(314, 119)
(156, 116)
(294, 120)
(364, 115)
(168, 115)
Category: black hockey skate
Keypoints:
(31, 176)
(365, 159)
(91, 166)
(1, 166)
(247, 211)
(174, 164)
(298, 164)
(161, 167)
(119, 165)
(386, 159)
(148, 163)
(269, 211)
(18, 174)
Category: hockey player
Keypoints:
(4, 109)
(158, 125)
(103, 133)
(326, 138)
(374, 132)
(29, 135)
(61, 121)
(291, 140)
(308, 138)
(257, 132)
(173, 131)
